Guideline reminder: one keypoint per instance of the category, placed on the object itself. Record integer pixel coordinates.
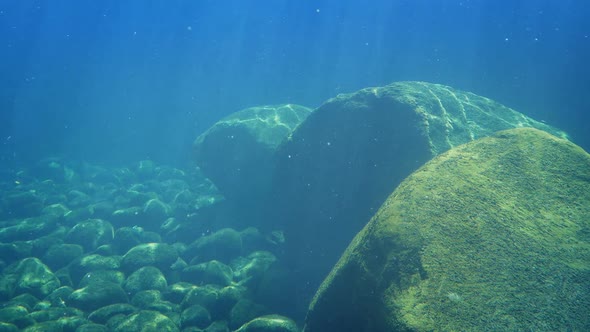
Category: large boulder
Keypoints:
(237, 152)
(343, 161)
(493, 235)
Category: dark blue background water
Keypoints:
(117, 81)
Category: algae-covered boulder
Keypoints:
(160, 255)
(27, 229)
(21, 204)
(145, 278)
(103, 314)
(60, 255)
(237, 152)
(342, 162)
(152, 300)
(244, 311)
(91, 327)
(92, 263)
(16, 315)
(146, 320)
(250, 270)
(271, 323)
(195, 315)
(101, 276)
(213, 272)
(493, 235)
(223, 245)
(155, 212)
(97, 295)
(30, 276)
(91, 233)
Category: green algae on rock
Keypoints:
(342, 162)
(490, 236)
(212, 272)
(145, 320)
(147, 277)
(160, 255)
(270, 323)
(97, 295)
(30, 276)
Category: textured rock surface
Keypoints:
(30, 276)
(237, 152)
(145, 278)
(344, 160)
(160, 255)
(97, 295)
(146, 320)
(97, 252)
(490, 236)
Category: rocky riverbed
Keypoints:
(91, 248)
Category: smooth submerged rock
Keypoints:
(60, 255)
(22, 204)
(102, 276)
(244, 311)
(342, 162)
(160, 255)
(97, 295)
(92, 263)
(103, 314)
(29, 276)
(493, 235)
(223, 245)
(271, 323)
(152, 300)
(195, 315)
(146, 320)
(237, 152)
(213, 272)
(145, 278)
(91, 328)
(13, 314)
(28, 229)
(206, 296)
(250, 270)
(91, 233)
(156, 211)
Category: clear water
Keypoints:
(115, 81)
(112, 83)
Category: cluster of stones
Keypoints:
(86, 248)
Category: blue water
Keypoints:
(117, 81)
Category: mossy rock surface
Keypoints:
(343, 161)
(270, 323)
(30, 276)
(103, 314)
(160, 255)
(97, 295)
(146, 320)
(145, 278)
(493, 235)
(91, 233)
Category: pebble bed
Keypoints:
(144, 248)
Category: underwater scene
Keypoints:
(294, 166)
